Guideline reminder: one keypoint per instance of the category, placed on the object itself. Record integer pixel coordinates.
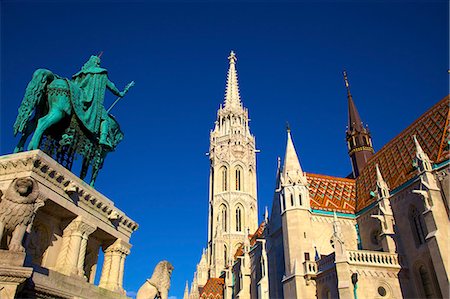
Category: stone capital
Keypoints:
(119, 246)
(80, 225)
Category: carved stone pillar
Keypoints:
(73, 251)
(113, 266)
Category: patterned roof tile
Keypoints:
(332, 193)
(396, 157)
(213, 289)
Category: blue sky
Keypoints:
(290, 59)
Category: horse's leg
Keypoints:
(53, 116)
(84, 168)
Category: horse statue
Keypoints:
(71, 114)
(159, 284)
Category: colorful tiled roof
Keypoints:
(332, 193)
(395, 159)
(213, 289)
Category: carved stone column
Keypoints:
(113, 266)
(73, 251)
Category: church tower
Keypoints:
(296, 223)
(233, 205)
(359, 141)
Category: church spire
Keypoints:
(359, 140)
(292, 171)
(232, 97)
(354, 120)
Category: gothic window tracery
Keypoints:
(238, 219)
(225, 255)
(223, 216)
(224, 174)
(238, 179)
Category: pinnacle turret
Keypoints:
(383, 190)
(186, 291)
(292, 171)
(232, 97)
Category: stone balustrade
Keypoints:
(373, 258)
(310, 268)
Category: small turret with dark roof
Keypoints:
(359, 140)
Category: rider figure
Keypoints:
(93, 81)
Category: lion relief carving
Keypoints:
(18, 206)
(158, 285)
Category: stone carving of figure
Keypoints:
(17, 210)
(158, 285)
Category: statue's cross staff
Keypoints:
(129, 85)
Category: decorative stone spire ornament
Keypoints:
(186, 291)
(232, 97)
(422, 161)
(385, 215)
(382, 187)
(359, 140)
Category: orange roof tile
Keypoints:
(213, 289)
(396, 157)
(332, 193)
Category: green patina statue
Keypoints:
(84, 125)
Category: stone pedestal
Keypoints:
(12, 273)
(65, 232)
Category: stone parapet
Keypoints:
(373, 258)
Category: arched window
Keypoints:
(223, 216)
(225, 255)
(238, 179)
(224, 173)
(292, 200)
(426, 282)
(300, 199)
(417, 225)
(238, 219)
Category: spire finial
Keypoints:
(347, 85)
(232, 97)
(288, 128)
(232, 58)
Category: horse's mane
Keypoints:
(33, 94)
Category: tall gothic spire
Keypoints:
(232, 97)
(354, 120)
(358, 137)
